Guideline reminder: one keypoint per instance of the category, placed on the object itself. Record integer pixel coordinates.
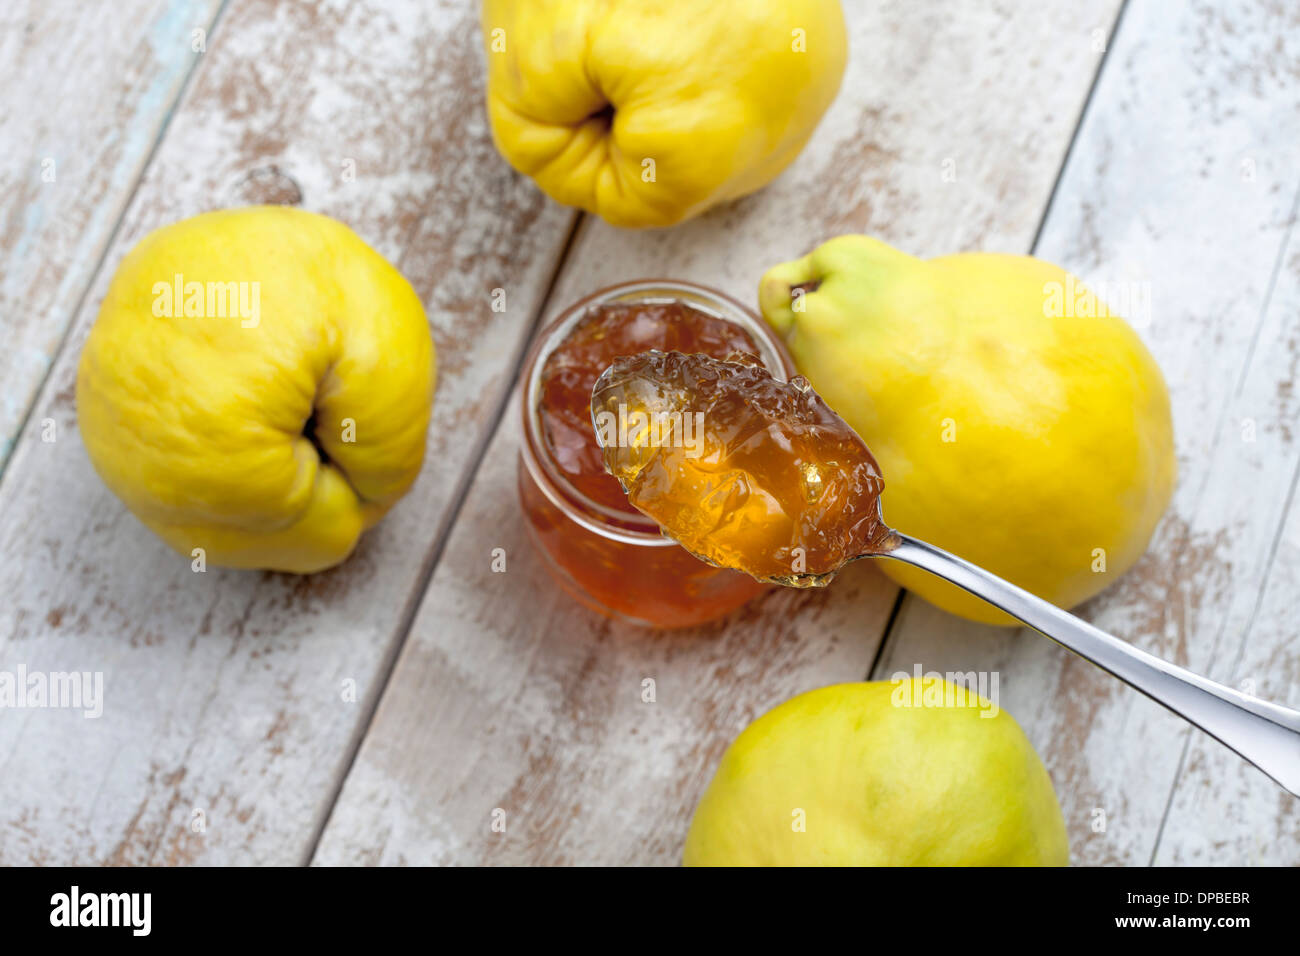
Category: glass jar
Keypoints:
(613, 562)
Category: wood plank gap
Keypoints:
(1278, 260)
(1078, 125)
(886, 635)
(1169, 798)
(1268, 568)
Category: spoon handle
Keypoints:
(1264, 734)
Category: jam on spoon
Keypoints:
(743, 470)
(604, 333)
(759, 475)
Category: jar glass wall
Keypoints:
(611, 561)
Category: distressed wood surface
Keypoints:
(1223, 810)
(507, 695)
(226, 693)
(1184, 176)
(87, 89)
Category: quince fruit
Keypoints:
(648, 114)
(258, 385)
(1018, 422)
(888, 773)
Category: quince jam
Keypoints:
(597, 545)
(743, 470)
(604, 334)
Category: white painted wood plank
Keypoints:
(224, 691)
(85, 89)
(509, 696)
(1223, 810)
(1183, 176)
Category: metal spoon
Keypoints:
(1265, 734)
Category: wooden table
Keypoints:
(381, 712)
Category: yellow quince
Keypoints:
(915, 772)
(647, 114)
(1018, 422)
(257, 387)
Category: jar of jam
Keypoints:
(600, 549)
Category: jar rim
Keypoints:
(578, 507)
